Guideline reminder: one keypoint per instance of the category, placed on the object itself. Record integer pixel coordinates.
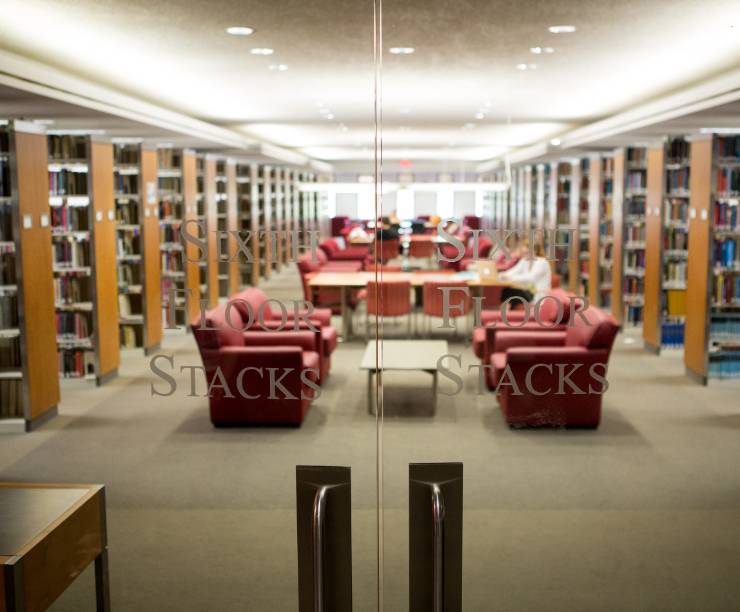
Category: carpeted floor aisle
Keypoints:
(643, 514)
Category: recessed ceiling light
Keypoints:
(526, 66)
(480, 115)
(562, 29)
(240, 30)
(262, 51)
(488, 104)
(279, 67)
(402, 50)
(555, 142)
(540, 50)
(330, 116)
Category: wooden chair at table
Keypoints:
(434, 303)
(386, 250)
(422, 249)
(387, 299)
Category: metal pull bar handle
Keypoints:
(317, 523)
(438, 518)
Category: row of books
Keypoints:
(635, 233)
(71, 290)
(725, 329)
(6, 222)
(726, 365)
(725, 214)
(67, 146)
(727, 252)
(168, 208)
(728, 180)
(10, 353)
(728, 146)
(5, 188)
(11, 398)
(65, 182)
(169, 233)
(71, 253)
(168, 158)
(128, 215)
(76, 364)
(637, 155)
(677, 150)
(7, 269)
(676, 239)
(129, 275)
(127, 244)
(73, 324)
(633, 314)
(676, 209)
(171, 261)
(634, 285)
(126, 154)
(672, 334)
(74, 218)
(677, 180)
(131, 336)
(126, 183)
(675, 271)
(8, 310)
(726, 290)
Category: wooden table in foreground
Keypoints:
(421, 355)
(49, 533)
(346, 281)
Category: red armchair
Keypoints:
(265, 382)
(335, 253)
(492, 320)
(320, 318)
(554, 378)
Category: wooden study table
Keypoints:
(49, 533)
(347, 281)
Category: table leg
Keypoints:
(344, 310)
(102, 583)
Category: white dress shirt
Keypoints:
(535, 274)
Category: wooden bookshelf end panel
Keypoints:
(698, 279)
(192, 252)
(152, 266)
(651, 332)
(618, 248)
(36, 274)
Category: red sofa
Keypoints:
(492, 321)
(335, 253)
(320, 318)
(247, 358)
(582, 352)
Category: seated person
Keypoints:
(386, 231)
(530, 272)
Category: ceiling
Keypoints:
(459, 98)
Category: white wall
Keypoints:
(464, 203)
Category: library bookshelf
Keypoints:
(580, 222)
(191, 253)
(223, 241)
(29, 380)
(560, 217)
(210, 217)
(542, 187)
(201, 217)
(137, 245)
(276, 217)
(83, 219)
(247, 176)
(171, 219)
(712, 329)
(666, 252)
(633, 233)
(264, 202)
(601, 234)
(232, 226)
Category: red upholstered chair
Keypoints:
(422, 248)
(388, 299)
(554, 312)
(244, 360)
(434, 300)
(484, 250)
(471, 221)
(385, 250)
(555, 280)
(335, 265)
(338, 224)
(335, 253)
(324, 296)
(528, 367)
(381, 268)
(265, 317)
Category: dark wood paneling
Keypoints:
(618, 244)
(653, 247)
(36, 277)
(698, 279)
(106, 283)
(192, 252)
(594, 202)
(152, 265)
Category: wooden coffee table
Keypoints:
(420, 355)
(49, 533)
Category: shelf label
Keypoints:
(99, 216)
(704, 215)
(111, 216)
(44, 219)
(692, 213)
(27, 221)
(151, 192)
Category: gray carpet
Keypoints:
(643, 514)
